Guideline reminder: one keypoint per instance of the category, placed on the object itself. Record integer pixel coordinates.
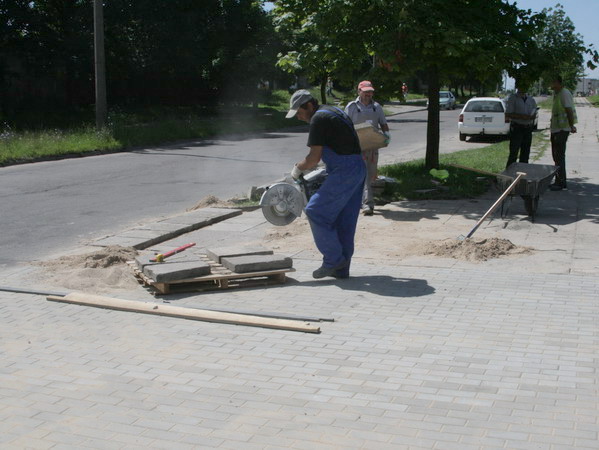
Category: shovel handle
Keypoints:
(497, 203)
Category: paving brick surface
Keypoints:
(417, 357)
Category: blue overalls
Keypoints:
(334, 209)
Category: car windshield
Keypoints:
(443, 95)
(484, 106)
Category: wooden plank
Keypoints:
(79, 298)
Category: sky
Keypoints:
(583, 13)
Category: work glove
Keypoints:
(296, 173)
(387, 137)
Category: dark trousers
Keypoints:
(520, 141)
(558, 150)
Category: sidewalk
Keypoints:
(424, 352)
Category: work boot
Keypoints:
(322, 271)
(368, 211)
(341, 274)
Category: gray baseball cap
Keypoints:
(298, 99)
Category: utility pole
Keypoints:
(100, 65)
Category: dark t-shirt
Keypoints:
(333, 128)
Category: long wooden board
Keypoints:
(98, 301)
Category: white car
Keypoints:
(483, 116)
(446, 100)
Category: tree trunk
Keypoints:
(323, 90)
(432, 127)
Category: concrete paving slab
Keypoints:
(216, 254)
(161, 226)
(236, 227)
(164, 273)
(118, 240)
(257, 263)
(203, 217)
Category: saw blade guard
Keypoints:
(282, 203)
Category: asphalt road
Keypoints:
(48, 208)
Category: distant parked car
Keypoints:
(483, 116)
(446, 100)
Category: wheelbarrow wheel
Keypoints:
(530, 204)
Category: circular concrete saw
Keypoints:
(283, 202)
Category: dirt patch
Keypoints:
(97, 272)
(210, 201)
(385, 236)
(470, 249)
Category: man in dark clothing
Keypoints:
(334, 209)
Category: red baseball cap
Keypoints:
(365, 86)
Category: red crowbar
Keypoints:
(162, 256)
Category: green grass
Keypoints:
(142, 127)
(413, 177)
(594, 99)
(547, 103)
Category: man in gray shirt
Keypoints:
(365, 109)
(521, 110)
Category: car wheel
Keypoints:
(462, 137)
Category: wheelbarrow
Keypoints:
(530, 187)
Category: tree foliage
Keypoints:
(559, 49)
(157, 51)
(440, 38)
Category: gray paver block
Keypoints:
(163, 273)
(216, 254)
(117, 240)
(257, 263)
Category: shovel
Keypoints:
(461, 237)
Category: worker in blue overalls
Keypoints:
(333, 211)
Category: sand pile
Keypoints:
(471, 249)
(210, 201)
(97, 272)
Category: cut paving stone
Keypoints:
(216, 254)
(203, 217)
(145, 236)
(257, 263)
(176, 271)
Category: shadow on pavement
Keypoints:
(384, 285)
(579, 202)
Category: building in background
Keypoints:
(587, 86)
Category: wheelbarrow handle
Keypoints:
(497, 203)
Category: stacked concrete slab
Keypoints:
(257, 263)
(192, 264)
(249, 259)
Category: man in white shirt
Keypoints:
(365, 109)
(521, 110)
